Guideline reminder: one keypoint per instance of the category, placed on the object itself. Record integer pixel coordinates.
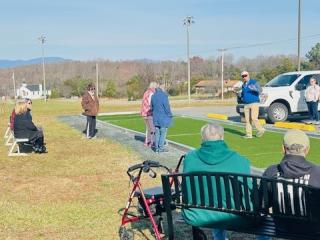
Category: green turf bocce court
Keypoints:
(261, 152)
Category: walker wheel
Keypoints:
(125, 234)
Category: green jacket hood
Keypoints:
(214, 152)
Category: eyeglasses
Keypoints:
(243, 76)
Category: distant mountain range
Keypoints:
(16, 63)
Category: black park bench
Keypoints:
(277, 208)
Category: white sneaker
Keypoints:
(246, 136)
(260, 133)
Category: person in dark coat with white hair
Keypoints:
(162, 117)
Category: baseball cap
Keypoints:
(295, 136)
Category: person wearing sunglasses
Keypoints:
(250, 97)
(90, 106)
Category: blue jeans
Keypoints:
(220, 234)
(161, 134)
(262, 237)
(313, 110)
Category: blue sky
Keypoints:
(136, 29)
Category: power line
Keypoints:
(251, 45)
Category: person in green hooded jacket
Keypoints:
(214, 156)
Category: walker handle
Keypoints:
(134, 167)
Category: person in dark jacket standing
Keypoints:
(90, 105)
(162, 117)
(250, 97)
(23, 127)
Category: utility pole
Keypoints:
(42, 40)
(14, 85)
(222, 71)
(299, 32)
(187, 22)
(97, 79)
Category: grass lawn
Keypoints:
(72, 192)
(75, 190)
(262, 152)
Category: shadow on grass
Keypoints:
(139, 138)
(233, 131)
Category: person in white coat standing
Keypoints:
(312, 95)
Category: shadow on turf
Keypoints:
(139, 138)
(233, 131)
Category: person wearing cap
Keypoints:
(90, 105)
(294, 165)
(250, 97)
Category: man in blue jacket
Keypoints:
(250, 97)
(162, 117)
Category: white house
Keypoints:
(32, 91)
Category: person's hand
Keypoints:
(236, 89)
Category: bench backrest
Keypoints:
(242, 194)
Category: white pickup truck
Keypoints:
(284, 96)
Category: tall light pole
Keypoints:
(42, 40)
(187, 22)
(97, 79)
(299, 32)
(14, 85)
(222, 50)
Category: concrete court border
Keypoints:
(228, 122)
(180, 146)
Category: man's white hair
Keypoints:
(153, 85)
(212, 132)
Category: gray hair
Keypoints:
(153, 85)
(314, 79)
(296, 149)
(212, 132)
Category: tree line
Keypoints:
(131, 78)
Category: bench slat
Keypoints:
(242, 191)
(210, 192)
(193, 190)
(201, 189)
(236, 192)
(218, 188)
(185, 198)
(227, 191)
(246, 193)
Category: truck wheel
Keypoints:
(277, 112)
